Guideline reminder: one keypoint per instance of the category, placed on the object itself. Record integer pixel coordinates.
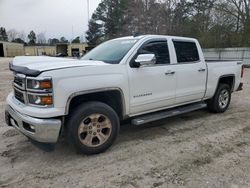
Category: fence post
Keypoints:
(219, 54)
(243, 55)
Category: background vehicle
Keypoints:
(61, 55)
(145, 78)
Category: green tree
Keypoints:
(216, 23)
(3, 34)
(32, 38)
(114, 17)
(107, 21)
(63, 40)
(76, 40)
(94, 34)
(18, 40)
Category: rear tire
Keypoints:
(221, 100)
(93, 127)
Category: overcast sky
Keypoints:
(54, 17)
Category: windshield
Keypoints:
(111, 51)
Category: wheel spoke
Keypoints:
(88, 140)
(101, 137)
(223, 98)
(94, 118)
(220, 98)
(105, 124)
(225, 95)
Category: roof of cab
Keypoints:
(154, 36)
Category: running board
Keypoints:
(167, 113)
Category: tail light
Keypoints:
(242, 71)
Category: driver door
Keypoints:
(152, 87)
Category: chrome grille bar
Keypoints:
(20, 81)
(19, 85)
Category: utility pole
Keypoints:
(87, 17)
(72, 33)
(88, 9)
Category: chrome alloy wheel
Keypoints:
(94, 130)
(223, 98)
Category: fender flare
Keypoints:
(73, 95)
(223, 76)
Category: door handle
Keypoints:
(170, 73)
(202, 70)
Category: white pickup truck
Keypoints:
(141, 78)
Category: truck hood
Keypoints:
(34, 65)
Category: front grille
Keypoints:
(19, 87)
(19, 81)
(19, 95)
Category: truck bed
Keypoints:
(217, 68)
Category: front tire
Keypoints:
(221, 100)
(93, 127)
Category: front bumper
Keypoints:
(41, 130)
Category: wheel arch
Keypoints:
(227, 79)
(114, 97)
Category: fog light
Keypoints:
(29, 127)
(32, 127)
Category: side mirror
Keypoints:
(145, 60)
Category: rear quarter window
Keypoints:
(186, 52)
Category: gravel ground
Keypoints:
(198, 149)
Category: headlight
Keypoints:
(40, 100)
(39, 91)
(42, 85)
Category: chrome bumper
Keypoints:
(41, 130)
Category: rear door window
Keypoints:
(186, 52)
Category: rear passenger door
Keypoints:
(191, 72)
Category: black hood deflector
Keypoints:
(24, 70)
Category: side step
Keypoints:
(168, 113)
